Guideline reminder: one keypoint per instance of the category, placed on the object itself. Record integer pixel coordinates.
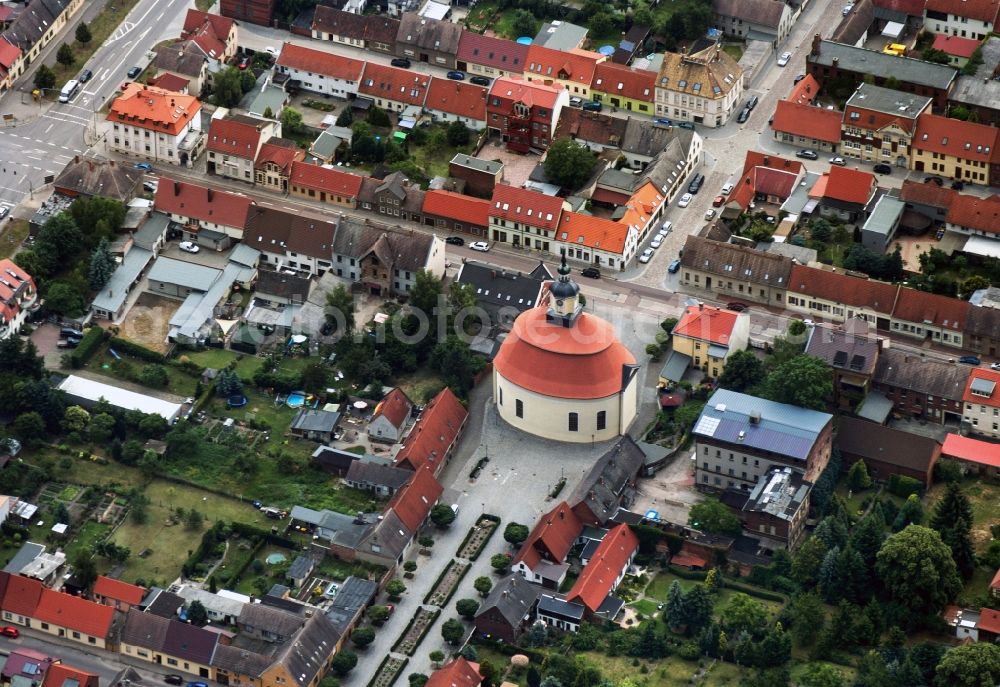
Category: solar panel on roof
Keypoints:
(706, 425)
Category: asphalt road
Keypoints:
(50, 133)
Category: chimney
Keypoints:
(90, 165)
(76, 158)
(177, 188)
(210, 195)
(562, 516)
(755, 417)
(836, 61)
(701, 306)
(815, 46)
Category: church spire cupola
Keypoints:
(564, 297)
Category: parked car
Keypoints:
(807, 154)
(591, 272)
(456, 75)
(939, 234)
(726, 189)
(685, 200)
(455, 241)
(696, 183)
(197, 684)
(656, 242)
(970, 360)
(188, 246)
(839, 161)
(244, 63)
(667, 227)
(845, 10)
(400, 62)
(934, 180)
(663, 121)
(798, 77)
(4, 211)
(173, 679)
(675, 266)
(882, 168)
(67, 343)
(646, 256)
(10, 631)
(150, 186)
(144, 166)
(686, 125)
(995, 366)
(784, 59)
(576, 101)
(85, 76)
(718, 201)
(958, 184)
(737, 306)
(480, 80)
(710, 214)
(593, 106)
(481, 246)
(134, 72)
(752, 103)
(743, 116)
(271, 50)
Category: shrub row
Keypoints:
(482, 545)
(537, 657)
(134, 350)
(375, 681)
(89, 344)
(902, 486)
(441, 577)
(406, 630)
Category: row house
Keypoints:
(490, 56)
(927, 199)
(807, 126)
(325, 184)
(633, 90)
(879, 124)
(455, 213)
(595, 240)
(829, 294)
(731, 270)
(118, 594)
(456, 101)
(234, 141)
(851, 351)
(156, 125)
(394, 196)
(29, 32)
(704, 86)
(542, 557)
(524, 114)
(965, 18)
(766, 183)
(959, 50)
(707, 336)
(982, 330)
(573, 69)
(954, 149)
(431, 442)
(368, 31)
(319, 71)
(981, 413)
(845, 194)
(27, 602)
(290, 240)
(273, 166)
(257, 12)
(934, 395)
(18, 297)
(434, 41)
(168, 642)
(755, 19)
(776, 510)
(604, 571)
(523, 218)
(923, 315)
(381, 261)
(973, 216)
(11, 64)
(203, 210)
(392, 88)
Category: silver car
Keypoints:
(685, 200)
(646, 256)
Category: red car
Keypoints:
(244, 63)
(719, 200)
(9, 631)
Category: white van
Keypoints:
(68, 91)
(667, 227)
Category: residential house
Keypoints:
(413, 502)
(739, 437)
(299, 662)
(704, 86)
(156, 125)
(830, 62)
(354, 29)
(762, 20)
(222, 608)
(982, 403)
(273, 166)
(957, 150)
(169, 642)
(428, 40)
(314, 424)
(30, 31)
(234, 141)
(521, 217)
(18, 297)
(391, 417)
(807, 126)
(934, 395)
(886, 451)
(609, 484)
(844, 193)
(767, 182)
(185, 62)
(603, 573)
(958, 50)
(501, 293)
(830, 294)
(974, 217)
(524, 114)
(215, 34)
(910, 13)
(667, 172)
(120, 595)
(632, 44)
(978, 458)
(480, 176)
(26, 666)
(20, 598)
(508, 609)
(735, 271)
(572, 69)
(982, 330)
(988, 627)
(202, 210)
(928, 201)
(555, 611)
(393, 196)
(90, 178)
(384, 262)
(11, 64)
(325, 184)
(458, 673)
(298, 572)
(979, 93)
(455, 213)
(275, 289)
(75, 618)
(170, 82)
(706, 337)
(490, 56)
(561, 35)
(775, 513)
(394, 89)
(879, 230)
(643, 140)
(599, 132)
(434, 434)
(541, 558)
(929, 316)
(851, 351)
(879, 124)
(320, 71)
(856, 26)
(456, 101)
(353, 598)
(378, 478)
(62, 675)
(595, 240)
(966, 18)
(291, 240)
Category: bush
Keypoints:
(344, 662)
(378, 614)
(395, 589)
(500, 562)
(467, 607)
(134, 350)
(410, 566)
(902, 486)
(91, 340)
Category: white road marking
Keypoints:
(49, 128)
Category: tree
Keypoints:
(227, 383)
(456, 362)
(227, 87)
(500, 562)
(911, 513)
(65, 56)
(452, 631)
(346, 117)
(687, 414)
(673, 614)
(458, 134)
(340, 309)
(76, 419)
(102, 265)
(426, 292)
(808, 618)
(63, 298)
(917, 570)
(952, 519)
(515, 533)
(568, 163)
(378, 614)
(483, 585)
(972, 665)
(45, 78)
(194, 520)
(857, 477)
(362, 637)
(821, 675)
(743, 614)
(436, 656)
(803, 381)
(291, 120)
(523, 23)
(102, 426)
(698, 608)
(743, 371)
(83, 33)
(29, 427)
(197, 615)
(467, 607)
(711, 515)
(442, 515)
(550, 681)
(395, 589)
(84, 569)
(154, 376)
(344, 662)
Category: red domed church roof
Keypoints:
(583, 361)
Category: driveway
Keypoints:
(45, 337)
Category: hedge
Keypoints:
(536, 657)
(440, 577)
(87, 347)
(472, 531)
(902, 486)
(134, 350)
(700, 576)
(434, 616)
(402, 667)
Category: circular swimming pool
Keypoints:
(296, 399)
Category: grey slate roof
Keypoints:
(113, 294)
(311, 649)
(513, 597)
(151, 230)
(190, 642)
(313, 420)
(560, 35)
(182, 57)
(983, 322)
(888, 101)
(291, 286)
(487, 166)
(270, 619)
(855, 25)
(643, 137)
(602, 487)
(764, 12)
(500, 287)
(351, 600)
(879, 64)
(779, 428)
(183, 273)
(390, 534)
(896, 447)
(236, 660)
(144, 629)
(31, 24)
(378, 474)
(103, 178)
(300, 568)
(165, 604)
(405, 251)
(743, 263)
(853, 351)
(937, 378)
(558, 606)
(429, 34)
(28, 552)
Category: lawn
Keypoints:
(644, 606)
(13, 236)
(660, 584)
(503, 28)
(102, 26)
(668, 672)
(219, 358)
(983, 495)
(421, 386)
(435, 163)
(85, 534)
(734, 50)
(179, 382)
(479, 16)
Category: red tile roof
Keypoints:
(395, 407)
(989, 620)
(8, 53)
(62, 675)
(964, 140)
(22, 595)
(955, 45)
(926, 194)
(982, 214)
(805, 91)
(995, 583)
(458, 207)
(152, 108)
(975, 451)
(458, 673)
(201, 203)
(755, 158)
(554, 533)
(117, 590)
(577, 66)
(707, 323)
(434, 433)
(489, 51)
(280, 154)
(414, 501)
(593, 232)
(849, 185)
(981, 10)
(527, 207)
(209, 31)
(74, 613)
(237, 136)
(320, 178)
(609, 560)
(757, 164)
(391, 83)
(808, 121)
(923, 307)
(845, 289)
(532, 94)
(169, 81)
(986, 376)
(457, 98)
(617, 79)
(320, 62)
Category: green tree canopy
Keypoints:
(291, 120)
(340, 309)
(83, 35)
(426, 293)
(483, 585)
(65, 55)
(711, 515)
(102, 265)
(227, 87)
(442, 515)
(515, 533)
(821, 675)
(743, 614)
(568, 163)
(743, 371)
(952, 519)
(972, 665)
(452, 631)
(362, 637)
(803, 381)
(857, 476)
(197, 614)
(458, 134)
(523, 23)
(917, 571)
(344, 662)
(467, 608)
(45, 78)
